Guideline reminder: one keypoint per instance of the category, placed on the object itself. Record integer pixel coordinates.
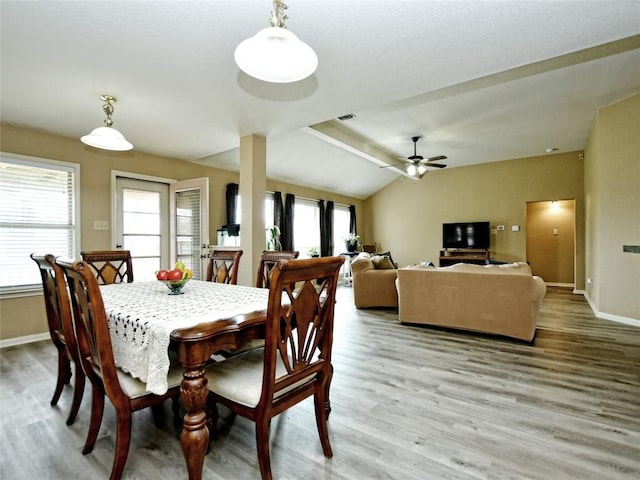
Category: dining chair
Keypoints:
(110, 266)
(268, 259)
(223, 266)
(369, 248)
(295, 362)
(58, 308)
(126, 393)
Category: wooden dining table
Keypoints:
(146, 323)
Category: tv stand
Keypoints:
(476, 256)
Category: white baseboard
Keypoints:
(608, 316)
(10, 342)
(553, 284)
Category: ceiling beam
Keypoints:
(335, 134)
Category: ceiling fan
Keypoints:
(416, 166)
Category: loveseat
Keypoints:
(496, 299)
(374, 281)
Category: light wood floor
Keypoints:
(408, 403)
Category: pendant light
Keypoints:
(107, 137)
(275, 54)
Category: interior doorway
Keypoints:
(551, 241)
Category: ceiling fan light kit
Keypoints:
(107, 137)
(275, 54)
(417, 166)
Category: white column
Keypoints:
(253, 185)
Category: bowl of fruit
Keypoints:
(175, 278)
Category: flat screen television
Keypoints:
(466, 235)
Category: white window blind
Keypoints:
(37, 214)
(188, 230)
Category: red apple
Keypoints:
(161, 274)
(174, 275)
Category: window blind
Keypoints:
(37, 214)
(188, 230)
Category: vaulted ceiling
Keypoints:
(478, 81)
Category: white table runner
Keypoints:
(142, 316)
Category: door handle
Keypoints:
(118, 246)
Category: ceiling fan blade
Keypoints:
(439, 157)
(437, 165)
(394, 165)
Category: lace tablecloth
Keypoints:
(142, 316)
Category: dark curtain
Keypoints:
(329, 227)
(353, 228)
(232, 202)
(323, 229)
(286, 237)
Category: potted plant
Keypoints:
(313, 252)
(273, 238)
(352, 242)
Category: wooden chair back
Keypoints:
(268, 260)
(58, 308)
(223, 266)
(91, 326)
(110, 266)
(299, 329)
(369, 248)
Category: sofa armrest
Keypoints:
(375, 288)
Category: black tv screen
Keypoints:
(466, 235)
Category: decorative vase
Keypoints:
(351, 247)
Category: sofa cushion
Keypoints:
(516, 268)
(382, 262)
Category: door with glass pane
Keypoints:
(142, 226)
(189, 206)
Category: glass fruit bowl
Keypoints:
(175, 286)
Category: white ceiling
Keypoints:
(479, 81)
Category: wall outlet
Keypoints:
(500, 227)
(100, 225)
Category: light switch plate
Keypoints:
(515, 228)
(100, 225)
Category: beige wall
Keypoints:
(26, 316)
(406, 217)
(612, 193)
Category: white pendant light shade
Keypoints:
(411, 170)
(107, 138)
(276, 55)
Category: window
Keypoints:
(306, 226)
(341, 220)
(38, 213)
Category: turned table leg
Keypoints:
(195, 434)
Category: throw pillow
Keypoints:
(382, 262)
(388, 254)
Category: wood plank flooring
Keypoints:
(408, 403)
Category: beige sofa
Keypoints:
(497, 299)
(373, 287)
